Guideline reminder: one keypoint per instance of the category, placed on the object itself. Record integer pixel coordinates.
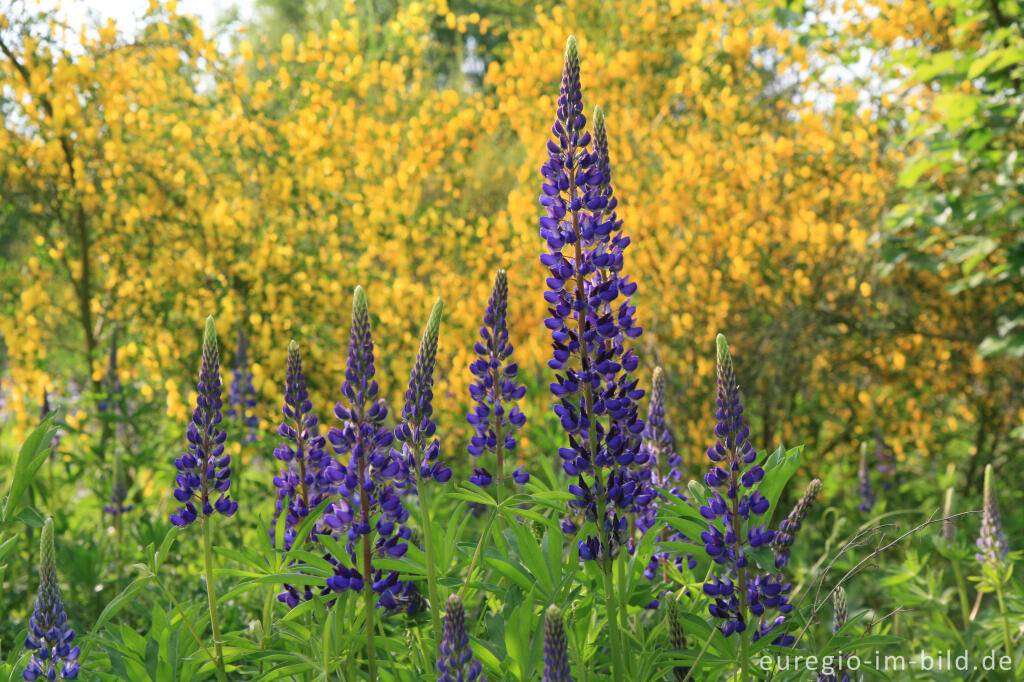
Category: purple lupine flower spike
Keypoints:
(204, 470)
(591, 322)
(495, 390)
(737, 593)
(302, 483)
(556, 647)
(49, 634)
(867, 497)
(420, 449)
(456, 662)
(991, 541)
(242, 397)
(364, 483)
(790, 526)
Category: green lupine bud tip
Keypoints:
(210, 334)
(359, 304)
(293, 348)
(47, 555)
(598, 120)
(724, 358)
(572, 52)
(434, 322)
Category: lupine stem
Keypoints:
(961, 588)
(1007, 637)
(211, 599)
(428, 542)
(476, 553)
(364, 501)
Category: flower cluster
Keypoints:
(495, 390)
(49, 634)
(790, 526)
(556, 647)
(991, 541)
(591, 319)
(365, 480)
(736, 592)
(420, 449)
(456, 662)
(242, 397)
(204, 468)
(304, 481)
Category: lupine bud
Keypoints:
(495, 389)
(948, 526)
(556, 647)
(420, 450)
(991, 541)
(456, 662)
(204, 468)
(840, 609)
(49, 634)
(365, 480)
(591, 319)
(790, 526)
(867, 498)
(676, 634)
(242, 397)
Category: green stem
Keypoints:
(268, 612)
(211, 599)
(428, 543)
(1007, 638)
(184, 618)
(476, 554)
(612, 607)
(961, 588)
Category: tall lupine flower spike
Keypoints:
(242, 397)
(556, 647)
(495, 390)
(416, 432)
(790, 526)
(676, 634)
(303, 483)
(456, 663)
(49, 634)
(991, 541)
(591, 319)
(734, 593)
(365, 481)
(867, 497)
(204, 469)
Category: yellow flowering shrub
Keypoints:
(163, 178)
